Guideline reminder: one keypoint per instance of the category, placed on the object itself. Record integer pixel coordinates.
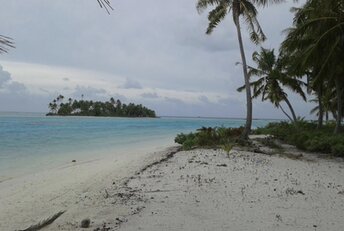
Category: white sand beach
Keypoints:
(76, 187)
(209, 190)
(202, 189)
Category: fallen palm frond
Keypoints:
(44, 223)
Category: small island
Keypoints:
(111, 108)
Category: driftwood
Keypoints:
(44, 223)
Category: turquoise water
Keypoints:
(34, 141)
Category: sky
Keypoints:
(153, 52)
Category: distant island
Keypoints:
(111, 108)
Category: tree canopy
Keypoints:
(316, 45)
(111, 108)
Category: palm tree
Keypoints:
(272, 79)
(317, 39)
(54, 106)
(247, 10)
(326, 104)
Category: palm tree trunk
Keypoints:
(334, 114)
(339, 92)
(285, 113)
(321, 108)
(326, 116)
(291, 109)
(248, 124)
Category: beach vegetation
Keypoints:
(83, 107)
(306, 135)
(208, 137)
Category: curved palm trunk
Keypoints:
(339, 92)
(290, 108)
(285, 113)
(248, 124)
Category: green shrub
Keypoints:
(318, 144)
(227, 147)
(338, 149)
(189, 144)
(209, 137)
(305, 136)
(181, 138)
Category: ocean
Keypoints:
(30, 142)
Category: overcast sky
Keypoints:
(153, 52)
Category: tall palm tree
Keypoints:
(245, 9)
(272, 79)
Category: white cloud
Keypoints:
(150, 95)
(131, 83)
(5, 76)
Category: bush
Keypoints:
(209, 137)
(338, 149)
(305, 136)
(189, 144)
(181, 138)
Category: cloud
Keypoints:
(131, 84)
(203, 99)
(16, 87)
(89, 92)
(174, 101)
(5, 76)
(8, 84)
(150, 95)
(180, 69)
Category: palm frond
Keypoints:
(216, 16)
(249, 13)
(106, 4)
(204, 4)
(5, 44)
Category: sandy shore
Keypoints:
(211, 190)
(202, 189)
(77, 188)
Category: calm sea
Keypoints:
(29, 142)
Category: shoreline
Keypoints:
(27, 200)
(208, 189)
(63, 159)
(201, 189)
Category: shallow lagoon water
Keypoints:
(31, 142)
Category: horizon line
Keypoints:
(170, 116)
